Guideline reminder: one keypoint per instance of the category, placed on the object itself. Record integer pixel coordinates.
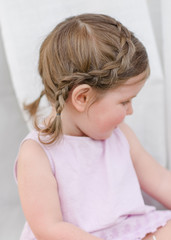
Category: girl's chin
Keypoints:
(104, 137)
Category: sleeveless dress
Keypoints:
(98, 188)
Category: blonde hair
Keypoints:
(91, 49)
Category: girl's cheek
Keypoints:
(120, 117)
(115, 120)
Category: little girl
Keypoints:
(81, 171)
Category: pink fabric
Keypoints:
(98, 188)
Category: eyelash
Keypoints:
(126, 102)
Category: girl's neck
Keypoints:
(68, 124)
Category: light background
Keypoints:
(151, 120)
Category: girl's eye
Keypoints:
(126, 102)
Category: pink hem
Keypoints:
(153, 230)
(136, 227)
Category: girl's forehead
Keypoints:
(131, 87)
(137, 79)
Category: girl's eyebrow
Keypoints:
(131, 97)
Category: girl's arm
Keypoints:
(154, 179)
(39, 197)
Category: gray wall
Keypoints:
(12, 130)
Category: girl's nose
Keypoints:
(129, 110)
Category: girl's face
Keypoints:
(105, 114)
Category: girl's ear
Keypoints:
(81, 96)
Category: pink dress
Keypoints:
(98, 188)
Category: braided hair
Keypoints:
(92, 49)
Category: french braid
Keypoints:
(91, 49)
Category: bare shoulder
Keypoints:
(32, 157)
(126, 130)
(135, 146)
(32, 153)
(30, 146)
